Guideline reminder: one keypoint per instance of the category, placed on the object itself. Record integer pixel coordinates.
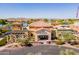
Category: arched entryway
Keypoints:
(43, 35)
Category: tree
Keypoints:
(30, 21)
(26, 41)
(3, 41)
(46, 20)
(67, 36)
(60, 21)
(71, 21)
(3, 22)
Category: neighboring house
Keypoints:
(18, 23)
(13, 36)
(75, 27)
(63, 27)
(24, 25)
(18, 30)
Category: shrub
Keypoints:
(59, 42)
(3, 42)
(66, 37)
(21, 41)
(24, 42)
(68, 52)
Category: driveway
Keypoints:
(35, 50)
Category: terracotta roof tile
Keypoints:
(40, 24)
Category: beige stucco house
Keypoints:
(42, 31)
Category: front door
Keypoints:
(53, 35)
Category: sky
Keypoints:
(38, 10)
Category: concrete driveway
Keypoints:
(35, 50)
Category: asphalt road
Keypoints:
(35, 50)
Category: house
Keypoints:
(75, 28)
(18, 30)
(42, 31)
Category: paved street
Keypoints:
(35, 50)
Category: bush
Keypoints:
(2, 21)
(3, 31)
(24, 42)
(68, 52)
(21, 41)
(67, 37)
(3, 42)
(28, 43)
(74, 43)
(59, 42)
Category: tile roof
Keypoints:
(40, 24)
(16, 31)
